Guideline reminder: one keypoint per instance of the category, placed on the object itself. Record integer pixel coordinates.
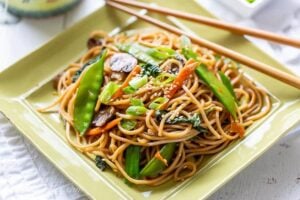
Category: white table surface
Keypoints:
(26, 174)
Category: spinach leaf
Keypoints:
(150, 70)
(194, 120)
(78, 72)
(100, 163)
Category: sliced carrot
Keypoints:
(237, 128)
(107, 127)
(182, 76)
(136, 70)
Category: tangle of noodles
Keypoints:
(149, 133)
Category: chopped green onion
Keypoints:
(140, 52)
(136, 102)
(158, 102)
(161, 52)
(136, 110)
(168, 50)
(138, 82)
(185, 42)
(164, 78)
(108, 92)
(128, 124)
(158, 54)
(189, 53)
(129, 90)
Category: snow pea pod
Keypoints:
(218, 88)
(87, 95)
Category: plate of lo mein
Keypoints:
(150, 105)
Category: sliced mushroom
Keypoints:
(122, 62)
(92, 42)
(56, 80)
(103, 116)
(118, 76)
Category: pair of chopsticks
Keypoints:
(256, 65)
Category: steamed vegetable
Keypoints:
(87, 95)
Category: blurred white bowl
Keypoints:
(243, 7)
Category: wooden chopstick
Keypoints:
(261, 67)
(215, 23)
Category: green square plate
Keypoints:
(26, 86)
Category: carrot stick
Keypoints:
(136, 70)
(108, 126)
(237, 128)
(183, 75)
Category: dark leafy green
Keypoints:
(194, 120)
(150, 70)
(100, 163)
(78, 72)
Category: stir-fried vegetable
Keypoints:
(108, 92)
(136, 110)
(157, 103)
(138, 82)
(129, 90)
(140, 52)
(107, 127)
(132, 74)
(228, 84)
(159, 162)
(218, 88)
(195, 120)
(78, 72)
(87, 95)
(122, 62)
(150, 70)
(128, 124)
(161, 52)
(136, 102)
(182, 76)
(100, 163)
(132, 161)
(164, 78)
(103, 116)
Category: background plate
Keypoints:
(26, 85)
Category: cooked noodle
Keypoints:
(151, 134)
